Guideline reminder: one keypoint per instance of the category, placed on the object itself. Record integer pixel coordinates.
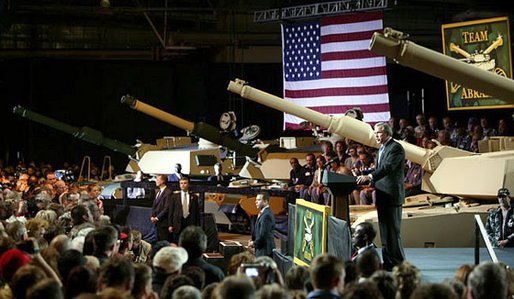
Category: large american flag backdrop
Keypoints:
(328, 67)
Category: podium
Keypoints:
(340, 186)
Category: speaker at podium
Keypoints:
(340, 186)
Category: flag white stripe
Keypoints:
(342, 100)
(336, 83)
(368, 117)
(354, 45)
(352, 64)
(351, 27)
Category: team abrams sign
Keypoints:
(484, 44)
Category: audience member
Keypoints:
(142, 288)
(487, 281)
(433, 291)
(194, 241)
(385, 283)
(186, 292)
(296, 277)
(117, 272)
(500, 222)
(168, 261)
(327, 276)
(172, 283)
(235, 287)
(408, 278)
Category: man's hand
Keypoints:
(170, 229)
(154, 220)
(503, 243)
(250, 244)
(362, 179)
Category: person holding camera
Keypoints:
(262, 236)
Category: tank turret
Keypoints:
(85, 133)
(199, 129)
(448, 170)
(272, 161)
(393, 44)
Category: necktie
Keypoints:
(158, 195)
(185, 205)
(380, 151)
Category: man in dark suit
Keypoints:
(362, 240)
(218, 174)
(184, 210)
(388, 178)
(177, 175)
(160, 207)
(262, 236)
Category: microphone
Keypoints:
(336, 159)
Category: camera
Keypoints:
(252, 270)
(258, 271)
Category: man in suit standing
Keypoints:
(388, 178)
(184, 210)
(160, 207)
(262, 236)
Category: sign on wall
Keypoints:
(484, 44)
(310, 231)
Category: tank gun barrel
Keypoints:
(199, 129)
(84, 133)
(393, 44)
(343, 126)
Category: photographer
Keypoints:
(263, 272)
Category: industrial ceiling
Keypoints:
(164, 29)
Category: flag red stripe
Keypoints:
(366, 72)
(353, 18)
(291, 126)
(345, 37)
(370, 108)
(340, 91)
(348, 55)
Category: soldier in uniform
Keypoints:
(500, 222)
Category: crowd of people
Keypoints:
(349, 157)
(56, 242)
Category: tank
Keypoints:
(135, 153)
(85, 133)
(448, 170)
(265, 162)
(394, 45)
(200, 129)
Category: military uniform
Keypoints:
(493, 226)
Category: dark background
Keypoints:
(55, 59)
(87, 93)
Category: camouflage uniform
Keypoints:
(493, 227)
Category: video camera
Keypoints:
(65, 175)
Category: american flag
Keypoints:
(328, 67)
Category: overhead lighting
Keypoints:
(105, 3)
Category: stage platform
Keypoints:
(438, 264)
